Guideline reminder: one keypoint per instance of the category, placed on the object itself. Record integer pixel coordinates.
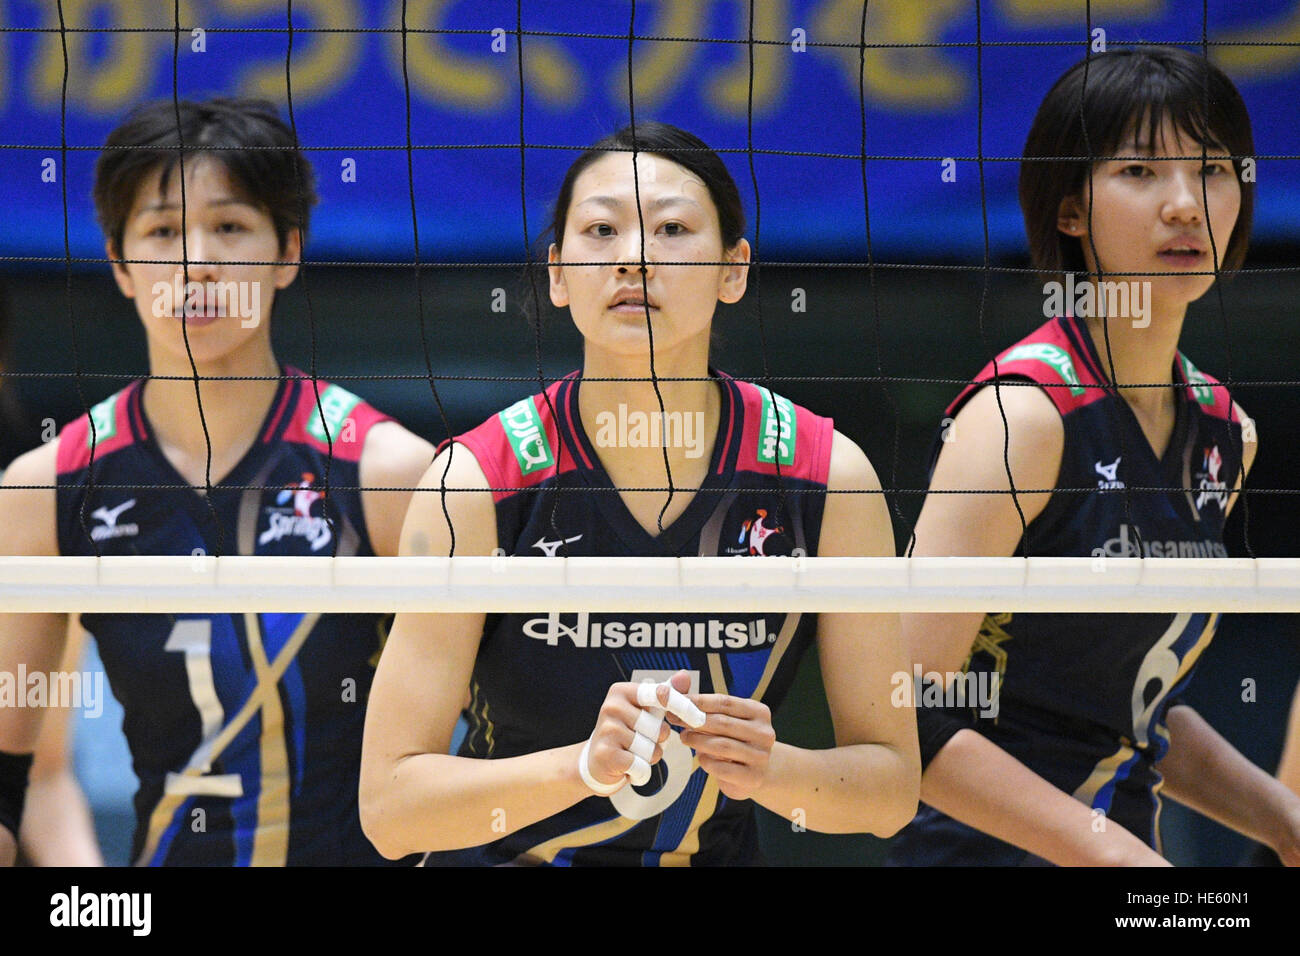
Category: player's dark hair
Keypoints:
(683, 148)
(275, 177)
(1127, 92)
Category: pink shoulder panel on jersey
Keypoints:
(517, 447)
(764, 443)
(112, 432)
(1048, 357)
(346, 421)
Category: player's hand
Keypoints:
(612, 750)
(735, 743)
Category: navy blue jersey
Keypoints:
(539, 679)
(1082, 697)
(244, 730)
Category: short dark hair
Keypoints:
(683, 148)
(1127, 91)
(277, 179)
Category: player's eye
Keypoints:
(161, 232)
(602, 230)
(231, 227)
(1137, 170)
(1214, 169)
(673, 229)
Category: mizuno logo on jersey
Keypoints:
(549, 548)
(1108, 481)
(703, 635)
(524, 431)
(110, 528)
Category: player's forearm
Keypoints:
(978, 783)
(1208, 774)
(861, 788)
(442, 802)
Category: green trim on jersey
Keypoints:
(103, 420)
(1057, 358)
(776, 424)
(337, 404)
(527, 439)
(1197, 381)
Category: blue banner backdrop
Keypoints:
(692, 68)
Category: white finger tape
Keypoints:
(649, 723)
(647, 695)
(639, 772)
(642, 747)
(601, 789)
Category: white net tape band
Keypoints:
(682, 585)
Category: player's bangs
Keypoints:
(258, 152)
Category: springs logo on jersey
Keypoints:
(293, 518)
(682, 635)
(1211, 487)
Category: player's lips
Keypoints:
(198, 316)
(1183, 251)
(631, 301)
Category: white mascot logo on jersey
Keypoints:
(1212, 489)
(757, 532)
(297, 521)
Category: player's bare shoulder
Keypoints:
(452, 509)
(392, 458)
(28, 519)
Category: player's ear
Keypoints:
(559, 291)
(735, 277)
(287, 271)
(123, 278)
(1070, 217)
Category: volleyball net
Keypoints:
(903, 171)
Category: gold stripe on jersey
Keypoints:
(690, 844)
(169, 803)
(596, 833)
(716, 677)
(778, 651)
(271, 835)
(478, 713)
(1102, 774)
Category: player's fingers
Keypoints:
(668, 697)
(724, 748)
(756, 732)
(745, 708)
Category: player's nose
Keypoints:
(634, 254)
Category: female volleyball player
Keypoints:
(1064, 761)
(245, 730)
(558, 702)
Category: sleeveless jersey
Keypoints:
(244, 729)
(539, 679)
(1081, 698)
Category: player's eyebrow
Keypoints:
(1130, 148)
(611, 202)
(164, 206)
